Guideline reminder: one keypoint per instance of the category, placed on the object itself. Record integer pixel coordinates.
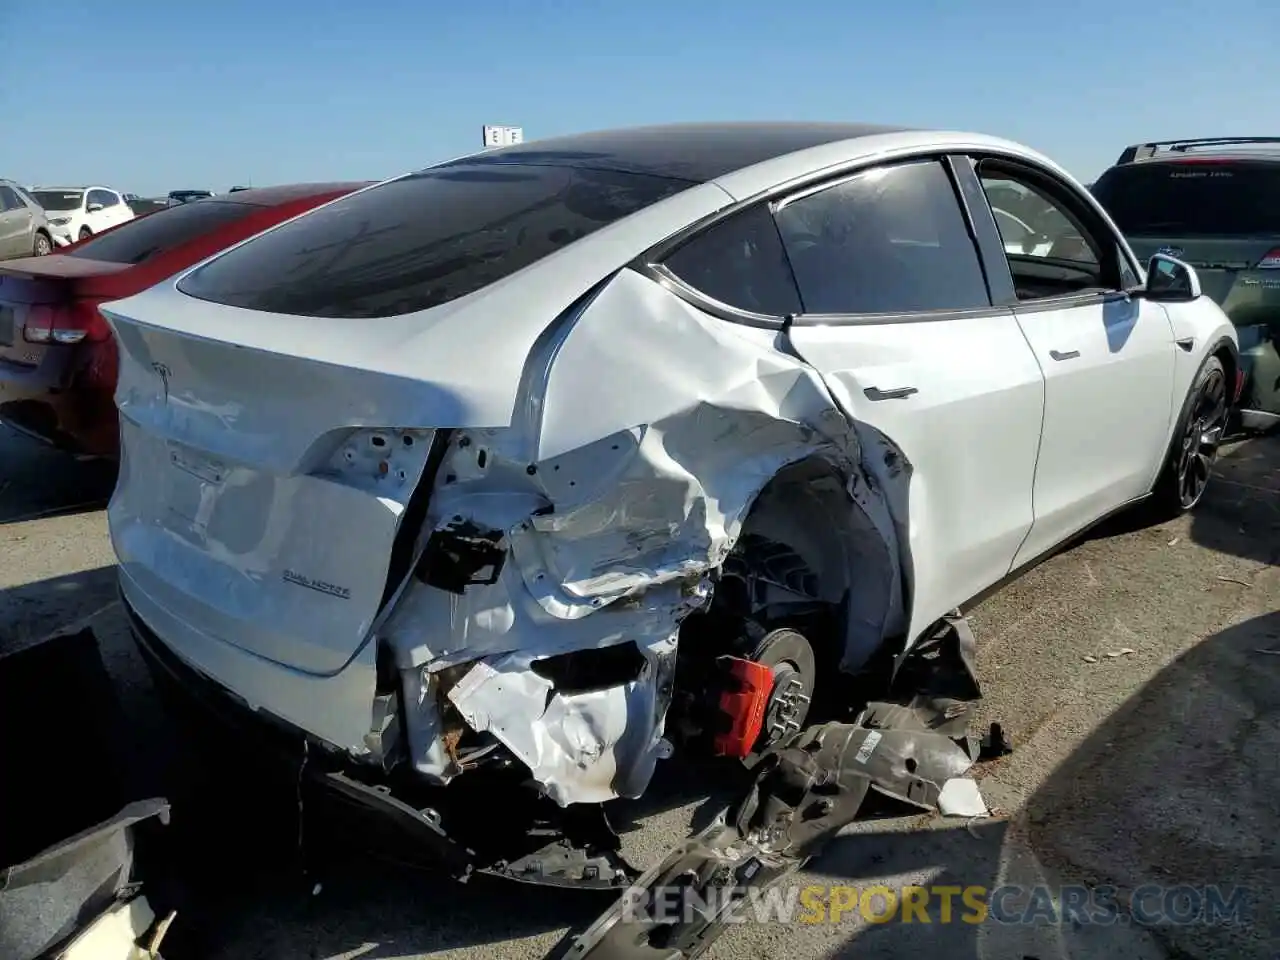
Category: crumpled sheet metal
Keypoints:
(587, 747)
(615, 506)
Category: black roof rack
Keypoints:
(1141, 151)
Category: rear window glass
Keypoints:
(59, 200)
(163, 230)
(1192, 199)
(422, 240)
(740, 261)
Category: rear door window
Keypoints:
(422, 240)
(889, 240)
(1193, 199)
(9, 200)
(161, 231)
(739, 262)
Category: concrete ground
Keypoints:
(1155, 766)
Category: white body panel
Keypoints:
(68, 224)
(1109, 377)
(968, 436)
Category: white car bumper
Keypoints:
(61, 236)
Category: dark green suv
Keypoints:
(1214, 203)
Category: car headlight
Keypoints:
(59, 221)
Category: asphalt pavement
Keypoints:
(1138, 675)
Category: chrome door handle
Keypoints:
(1069, 355)
(898, 393)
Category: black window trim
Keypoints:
(961, 164)
(708, 304)
(778, 198)
(1060, 191)
(934, 155)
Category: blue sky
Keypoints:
(149, 96)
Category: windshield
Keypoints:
(422, 240)
(59, 199)
(189, 194)
(161, 231)
(1193, 199)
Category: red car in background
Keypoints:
(58, 362)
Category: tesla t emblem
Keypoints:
(1171, 251)
(163, 371)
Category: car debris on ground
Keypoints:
(77, 857)
(915, 748)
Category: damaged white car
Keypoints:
(523, 471)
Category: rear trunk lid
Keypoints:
(261, 493)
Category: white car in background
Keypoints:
(78, 212)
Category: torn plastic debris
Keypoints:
(806, 788)
(81, 899)
(960, 797)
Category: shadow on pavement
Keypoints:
(1176, 788)
(38, 480)
(1240, 515)
(261, 891)
(32, 611)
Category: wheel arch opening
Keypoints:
(808, 553)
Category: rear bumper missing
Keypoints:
(483, 823)
(275, 753)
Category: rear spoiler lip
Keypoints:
(60, 267)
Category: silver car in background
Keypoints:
(24, 230)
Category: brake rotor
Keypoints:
(789, 657)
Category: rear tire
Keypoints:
(43, 245)
(85, 233)
(1196, 440)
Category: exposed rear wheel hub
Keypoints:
(790, 659)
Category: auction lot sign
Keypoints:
(499, 136)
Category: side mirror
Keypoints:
(94, 207)
(1170, 280)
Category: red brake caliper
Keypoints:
(742, 705)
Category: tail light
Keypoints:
(1271, 261)
(65, 323)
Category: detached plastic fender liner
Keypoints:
(46, 900)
